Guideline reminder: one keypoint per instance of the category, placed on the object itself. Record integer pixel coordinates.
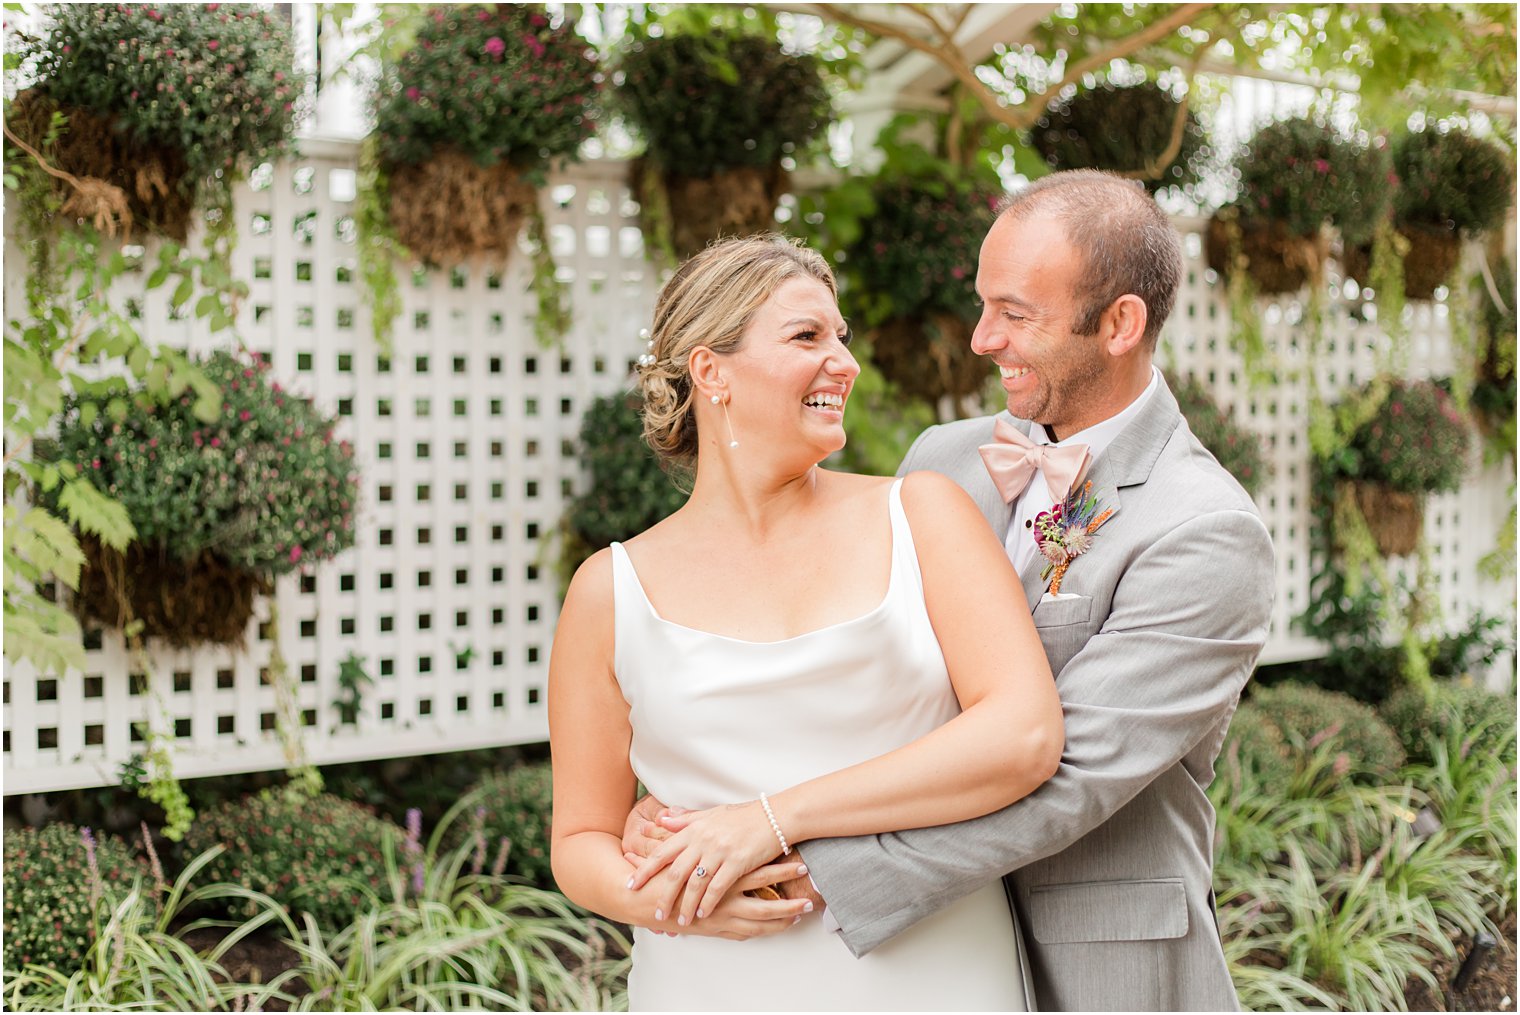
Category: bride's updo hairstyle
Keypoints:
(709, 301)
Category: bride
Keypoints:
(807, 653)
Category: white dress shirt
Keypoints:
(1036, 497)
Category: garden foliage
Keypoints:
(497, 82)
(217, 82)
(1122, 129)
(511, 810)
(1300, 718)
(1415, 442)
(716, 100)
(265, 485)
(1306, 174)
(1237, 448)
(58, 881)
(312, 854)
(1451, 180)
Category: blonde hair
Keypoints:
(709, 301)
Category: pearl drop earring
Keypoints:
(715, 400)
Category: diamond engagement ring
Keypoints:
(700, 872)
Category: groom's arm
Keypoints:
(1188, 621)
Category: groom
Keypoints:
(1153, 633)
(1152, 636)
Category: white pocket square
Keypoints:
(1058, 597)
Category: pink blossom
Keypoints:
(213, 45)
(414, 93)
(495, 47)
(245, 415)
(295, 554)
(1321, 166)
(216, 442)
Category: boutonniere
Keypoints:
(1066, 531)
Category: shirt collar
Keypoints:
(1100, 435)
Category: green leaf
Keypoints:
(207, 304)
(183, 291)
(45, 540)
(92, 511)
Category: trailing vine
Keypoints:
(303, 774)
(552, 320)
(379, 249)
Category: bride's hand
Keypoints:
(740, 917)
(707, 857)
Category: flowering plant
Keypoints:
(498, 82)
(61, 883)
(1066, 531)
(1235, 447)
(718, 99)
(214, 81)
(1451, 180)
(1414, 442)
(1122, 129)
(1304, 174)
(264, 486)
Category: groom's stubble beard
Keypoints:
(1066, 389)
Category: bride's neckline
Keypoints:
(894, 507)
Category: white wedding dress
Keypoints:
(716, 720)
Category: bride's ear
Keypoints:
(706, 374)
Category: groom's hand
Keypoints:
(642, 831)
(801, 888)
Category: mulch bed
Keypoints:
(1492, 988)
(257, 958)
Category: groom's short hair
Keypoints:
(1126, 241)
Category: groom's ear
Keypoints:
(1124, 325)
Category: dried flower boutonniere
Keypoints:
(1065, 532)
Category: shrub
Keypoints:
(1306, 717)
(1466, 709)
(721, 99)
(214, 81)
(628, 491)
(1415, 442)
(498, 82)
(1451, 180)
(264, 486)
(313, 854)
(516, 805)
(1305, 174)
(51, 912)
(1122, 129)
(1256, 744)
(1237, 448)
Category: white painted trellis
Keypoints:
(465, 439)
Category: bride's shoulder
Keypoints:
(924, 491)
(591, 586)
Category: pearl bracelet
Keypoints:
(785, 849)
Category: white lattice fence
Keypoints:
(465, 438)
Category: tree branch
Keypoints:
(1183, 15)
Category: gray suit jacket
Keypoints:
(1111, 861)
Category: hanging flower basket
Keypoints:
(470, 116)
(1413, 443)
(160, 101)
(911, 280)
(722, 113)
(1395, 518)
(737, 201)
(450, 208)
(1431, 261)
(1122, 130)
(184, 601)
(1297, 177)
(224, 498)
(1277, 259)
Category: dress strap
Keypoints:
(904, 553)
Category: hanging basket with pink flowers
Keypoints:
(225, 497)
(469, 117)
(165, 102)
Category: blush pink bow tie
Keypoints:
(1013, 460)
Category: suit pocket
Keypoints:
(1062, 612)
(1152, 910)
